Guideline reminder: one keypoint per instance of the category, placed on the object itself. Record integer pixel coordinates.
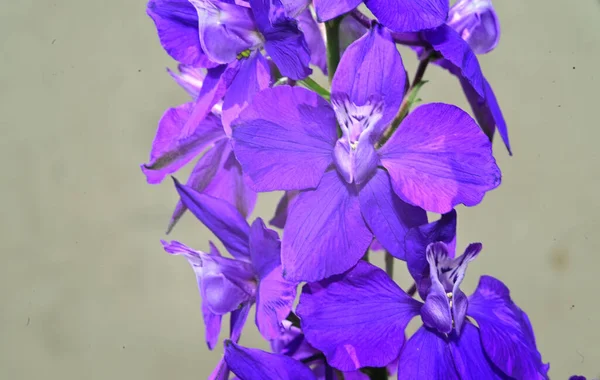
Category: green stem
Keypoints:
(332, 30)
(389, 265)
(310, 83)
(409, 98)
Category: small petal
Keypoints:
(409, 15)
(253, 364)
(387, 216)
(282, 210)
(357, 319)
(470, 361)
(219, 175)
(477, 23)
(487, 111)
(221, 371)
(294, 8)
(372, 67)
(253, 75)
(285, 138)
(238, 320)
(225, 29)
(177, 25)
(426, 355)
(329, 9)
(505, 331)
(325, 233)
(170, 151)
(450, 164)
(416, 242)
(212, 92)
(274, 301)
(265, 249)
(436, 312)
(457, 52)
(284, 42)
(350, 31)
(189, 78)
(291, 342)
(356, 162)
(314, 40)
(220, 217)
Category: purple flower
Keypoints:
(286, 139)
(398, 15)
(253, 275)
(338, 313)
(217, 172)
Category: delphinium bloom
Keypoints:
(217, 172)
(358, 319)
(398, 15)
(351, 190)
(215, 33)
(253, 275)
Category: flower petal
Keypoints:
(189, 78)
(217, 173)
(487, 111)
(426, 355)
(238, 320)
(284, 42)
(470, 361)
(284, 139)
(253, 75)
(221, 371)
(436, 313)
(169, 151)
(225, 29)
(505, 331)
(387, 216)
(177, 25)
(253, 364)
(325, 233)
(265, 248)
(416, 242)
(220, 217)
(477, 23)
(314, 40)
(291, 342)
(357, 319)
(274, 301)
(450, 164)
(329, 9)
(458, 53)
(409, 15)
(372, 68)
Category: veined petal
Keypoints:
(325, 233)
(284, 139)
(455, 50)
(294, 8)
(284, 42)
(274, 301)
(314, 40)
(505, 331)
(253, 364)
(426, 355)
(416, 242)
(177, 25)
(265, 248)
(409, 15)
(436, 312)
(217, 173)
(371, 68)
(470, 361)
(487, 111)
(357, 319)
(225, 29)
(387, 216)
(213, 89)
(189, 78)
(329, 9)
(170, 150)
(220, 217)
(291, 342)
(439, 158)
(253, 75)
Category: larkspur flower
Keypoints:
(286, 139)
(398, 15)
(217, 172)
(253, 275)
(358, 319)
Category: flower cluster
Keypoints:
(360, 169)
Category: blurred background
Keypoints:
(86, 289)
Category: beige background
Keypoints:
(86, 291)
